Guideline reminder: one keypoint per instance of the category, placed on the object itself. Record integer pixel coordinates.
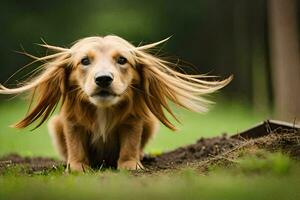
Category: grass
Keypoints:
(236, 182)
(225, 117)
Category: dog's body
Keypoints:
(112, 96)
(101, 136)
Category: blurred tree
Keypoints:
(285, 58)
(259, 64)
(250, 53)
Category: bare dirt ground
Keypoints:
(205, 152)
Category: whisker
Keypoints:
(74, 90)
(141, 91)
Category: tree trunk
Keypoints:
(260, 66)
(285, 60)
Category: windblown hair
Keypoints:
(160, 84)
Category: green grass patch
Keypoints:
(265, 162)
(185, 184)
(255, 161)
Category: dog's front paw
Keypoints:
(77, 167)
(130, 165)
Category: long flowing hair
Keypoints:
(160, 84)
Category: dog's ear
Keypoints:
(47, 89)
(155, 94)
(161, 84)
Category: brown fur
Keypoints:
(91, 131)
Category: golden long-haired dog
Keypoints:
(112, 97)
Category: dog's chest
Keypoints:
(103, 126)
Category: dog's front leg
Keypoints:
(76, 139)
(130, 141)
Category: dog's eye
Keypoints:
(121, 60)
(85, 61)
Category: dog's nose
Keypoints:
(104, 80)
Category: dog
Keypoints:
(112, 96)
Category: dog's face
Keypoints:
(104, 69)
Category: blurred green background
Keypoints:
(240, 37)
